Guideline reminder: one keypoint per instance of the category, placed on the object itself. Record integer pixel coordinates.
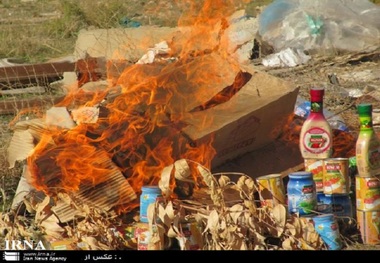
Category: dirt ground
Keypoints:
(341, 75)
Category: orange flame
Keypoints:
(140, 130)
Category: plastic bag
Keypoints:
(344, 25)
(303, 107)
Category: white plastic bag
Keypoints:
(335, 25)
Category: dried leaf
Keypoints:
(172, 233)
(51, 227)
(259, 239)
(164, 182)
(162, 215)
(28, 205)
(94, 244)
(224, 181)
(279, 215)
(176, 224)
(297, 223)
(241, 182)
(235, 212)
(207, 176)
(243, 246)
(41, 206)
(183, 242)
(287, 244)
(182, 171)
(250, 183)
(23, 232)
(169, 210)
(312, 237)
(251, 206)
(291, 228)
(305, 245)
(151, 212)
(212, 221)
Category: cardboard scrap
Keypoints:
(59, 116)
(20, 147)
(85, 115)
(23, 187)
(129, 44)
(114, 190)
(160, 48)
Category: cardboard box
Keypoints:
(251, 119)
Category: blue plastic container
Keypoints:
(328, 229)
(302, 195)
(148, 196)
(338, 204)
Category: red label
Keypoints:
(373, 184)
(333, 167)
(307, 189)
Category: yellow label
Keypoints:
(271, 190)
(368, 154)
(369, 226)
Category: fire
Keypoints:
(139, 130)
(344, 144)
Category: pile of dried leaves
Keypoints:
(225, 212)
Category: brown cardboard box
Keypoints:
(251, 119)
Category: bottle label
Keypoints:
(316, 107)
(365, 123)
(317, 140)
(374, 157)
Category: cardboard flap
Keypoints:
(182, 85)
(261, 90)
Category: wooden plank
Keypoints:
(29, 90)
(89, 69)
(34, 73)
(13, 106)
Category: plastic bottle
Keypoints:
(316, 133)
(148, 196)
(327, 227)
(367, 144)
(302, 195)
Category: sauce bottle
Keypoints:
(367, 144)
(316, 132)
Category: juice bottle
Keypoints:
(367, 144)
(316, 132)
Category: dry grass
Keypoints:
(42, 29)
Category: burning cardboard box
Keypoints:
(251, 119)
(193, 102)
(213, 100)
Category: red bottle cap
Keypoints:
(316, 94)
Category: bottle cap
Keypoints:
(365, 109)
(316, 94)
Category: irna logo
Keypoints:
(23, 245)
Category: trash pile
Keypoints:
(295, 28)
(183, 102)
